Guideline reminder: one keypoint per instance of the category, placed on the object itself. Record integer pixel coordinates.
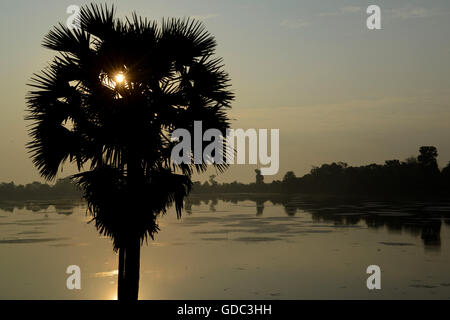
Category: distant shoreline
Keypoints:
(243, 196)
(416, 178)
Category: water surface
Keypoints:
(241, 248)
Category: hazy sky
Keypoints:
(336, 90)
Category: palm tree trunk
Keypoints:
(129, 255)
(121, 274)
(129, 268)
(132, 268)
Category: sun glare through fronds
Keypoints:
(120, 78)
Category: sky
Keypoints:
(336, 90)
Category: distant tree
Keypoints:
(411, 160)
(212, 180)
(446, 171)
(289, 177)
(428, 157)
(392, 163)
(289, 181)
(259, 177)
(446, 177)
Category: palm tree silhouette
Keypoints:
(108, 102)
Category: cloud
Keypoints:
(408, 12)
(205, 16)
(351, 9)
(415, 12)
(342, 11)
(294, 23)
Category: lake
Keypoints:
(238, 247)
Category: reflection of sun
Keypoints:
(120, 78)
(112, 296)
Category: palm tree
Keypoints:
(108, 102)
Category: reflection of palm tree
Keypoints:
(431, 233)
(212, 205)
(111, 100)
(259, 206)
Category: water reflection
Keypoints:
(27, 222)
(238, 246)
(64, 207)
(419, 219)
(416, 218)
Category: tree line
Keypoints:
(62, 189)
(415, 176)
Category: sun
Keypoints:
(120, 78)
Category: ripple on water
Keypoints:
(29, 240)
(401, 244)
(257, 239)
